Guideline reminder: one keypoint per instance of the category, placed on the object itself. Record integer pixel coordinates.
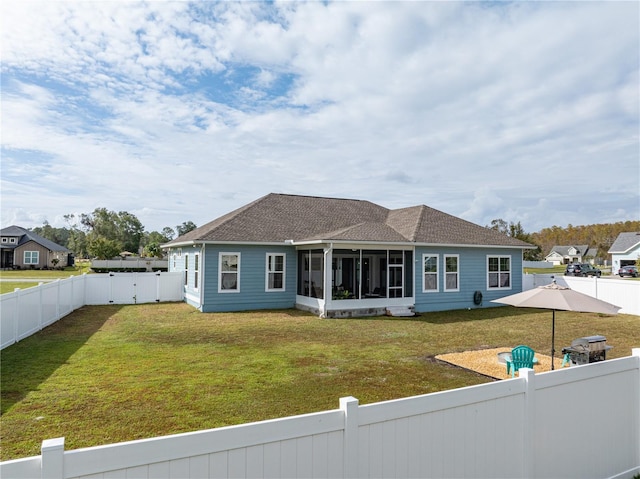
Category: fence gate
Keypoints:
(128, 288)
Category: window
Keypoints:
(498, 272)
(430, 273)
(12, 240)
(451, 272)
(31, 257)
(196, 270)
(4, 240)
(229, 272)
(275, 272)
(186, 270)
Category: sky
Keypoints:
(179, 111)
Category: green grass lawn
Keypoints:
(106, 374)
(10, 286)
(559, 270)
(25, 278)
(79, 268)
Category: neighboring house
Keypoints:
(342, 257)
(572, 254)
(625, 250)
(21, 248)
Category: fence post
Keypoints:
(58, 299)
(528, 460)
(349, 405)
(16, 323)
(52, 451)
(636, 352)
(40, 305)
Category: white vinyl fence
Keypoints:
(577, 422)
(620, 292)
(27, 311)
(137, 263)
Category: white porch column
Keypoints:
(328, 260)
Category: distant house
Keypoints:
(343, 257)
(625, 250)
(21, 248)
(572, 254)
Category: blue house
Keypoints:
(342, 258)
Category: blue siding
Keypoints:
(472, 269)
(252, 294)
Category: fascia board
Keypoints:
(235, 243)
(410, 244)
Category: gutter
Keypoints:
(290, 242)
(403, 244)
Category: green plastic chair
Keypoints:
(521, 357)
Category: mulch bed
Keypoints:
(485, 361)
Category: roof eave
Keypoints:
(237, 243)
(406, 243)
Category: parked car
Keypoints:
(629, 270)
(582, 269)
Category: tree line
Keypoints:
(104, 234)
(597, 236)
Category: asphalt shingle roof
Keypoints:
(564, 250)
(624, 242)
(278, 217)
(25, 236)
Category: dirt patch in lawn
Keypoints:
(485, 361)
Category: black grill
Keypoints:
(590, 349)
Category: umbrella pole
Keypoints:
(553, 335)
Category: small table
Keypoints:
(504, 358)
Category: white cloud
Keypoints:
(185, 111)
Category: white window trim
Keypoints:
(437, 273)
(497, 288)
(284, 273)
(24, 257)
(196, 272)
(186, 269)
(12, 240)
(220, 255)
(445, 272)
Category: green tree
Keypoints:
(77, 238)
(122, 227)
(156, 238)
(185, 227)
(168, 233)
(499, 225)
(57, 235)
(103, 248)
(152, 250)
(515, 230)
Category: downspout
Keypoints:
(201, 272)
(360, 277)
(327, 280)
(414, 274)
